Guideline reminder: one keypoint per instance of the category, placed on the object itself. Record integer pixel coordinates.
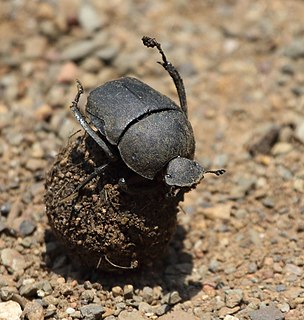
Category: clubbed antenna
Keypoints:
(218, 172)
(178, 81)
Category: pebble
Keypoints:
(10, 310)
(88, 295)
(27, 227)
(220, 211)
(33, 311)
(88, 17)
(172, 298)
(298, 185)
(5, 209)
(233, 297)
(12, 259)
(229, 317)
(144, 307)
(128, 291)
(131, 315)
(108, 54)
(67, 73)
(92, 311)
(292, 268)
(117, 291)
(178, 315)
(267, 313)
(147, 294)
(263, 138)
(299, 131)
(295, 50)
(281, 148)
(78, 50)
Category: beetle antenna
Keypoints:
(168, 66)
(218, 172)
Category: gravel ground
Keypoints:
(238, 249)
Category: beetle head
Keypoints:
(183, 172)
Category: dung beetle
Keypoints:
(145, 129)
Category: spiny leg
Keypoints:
(178, 81)
(93, 175)
(86, 126)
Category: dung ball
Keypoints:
(102, 225)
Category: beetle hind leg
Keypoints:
(169, 67)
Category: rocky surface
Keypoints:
(238, 249)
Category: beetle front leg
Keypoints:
(86, 126)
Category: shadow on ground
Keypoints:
(169, 273)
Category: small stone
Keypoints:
(12, 259)
(233, 297)
(284, 307)
(108, 53)
(281, 148)
(117, 291)
(68, 73)
(295, 50)
(5, 209)
(178, 315)
(299, 132)
(213, 265)
(131, 315)
(172, 298)
(280, 288)
(90, 19)
(33, 311)
(268, 202)
(144, 307)
(298, 185)
(6, 293)
(92, 65)
(147, 294)
(78, 50)
(69, 310)
(220, 211)
(293, 269)
(263, 138)
(10, 310)
(128, 291)
(267, 313)
(162, 309)
(293, 293)
(92, 311)
(34, 164)
(225, 311)
(35, 47)
(88, 295)
(229, 317)
(27, 227)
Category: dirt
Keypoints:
(237, 252)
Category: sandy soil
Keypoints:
(238, 249)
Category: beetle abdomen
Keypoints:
(114, 105)
(149, 144)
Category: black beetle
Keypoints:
(143, 128)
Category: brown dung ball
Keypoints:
(101, 225)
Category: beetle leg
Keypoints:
(86, 126)
(93, 175)
(174, 74)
